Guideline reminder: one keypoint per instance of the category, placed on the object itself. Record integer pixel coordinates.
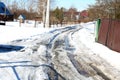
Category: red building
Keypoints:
(84, 14)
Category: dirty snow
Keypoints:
(87, 36)
(30, 55)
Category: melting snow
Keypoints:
(11, 62)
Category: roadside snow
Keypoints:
(87, 37)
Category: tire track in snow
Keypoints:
(70, 64)
(66, 30)
(56, 33)
(56, 51)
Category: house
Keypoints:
(22, 18)
(84, 16)
(5, 14)
(72, 16)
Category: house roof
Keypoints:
(84, 13)
(4, 10)
(22, 17)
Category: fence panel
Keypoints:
(103, 31)
(109, 34)
(116, 36)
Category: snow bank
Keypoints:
(87, 37)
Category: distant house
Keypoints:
(72, 16)
(5, 14)
(84, 17)
(84, 14)
(22, 18)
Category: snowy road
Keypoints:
(55, 55)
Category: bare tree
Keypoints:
(31, 5)
(44, 9)
(42, 5)
(105, 9)
(14, 8)
(22, 4)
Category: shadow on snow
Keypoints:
(9, 48)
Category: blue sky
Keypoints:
(79, 4)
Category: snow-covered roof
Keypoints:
(22, 17)
(3, 9)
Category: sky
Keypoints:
(79, 4)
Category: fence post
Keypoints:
(97, 29)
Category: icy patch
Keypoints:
(9, 48)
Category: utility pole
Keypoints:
(44, 13)
(47, 15)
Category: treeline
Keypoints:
(36, 8)
(105, 9)
(28, 8)
(33, 8)
(62, 15)
(28, 15)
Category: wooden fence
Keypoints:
(109, 33)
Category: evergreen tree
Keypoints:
(59, 15)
